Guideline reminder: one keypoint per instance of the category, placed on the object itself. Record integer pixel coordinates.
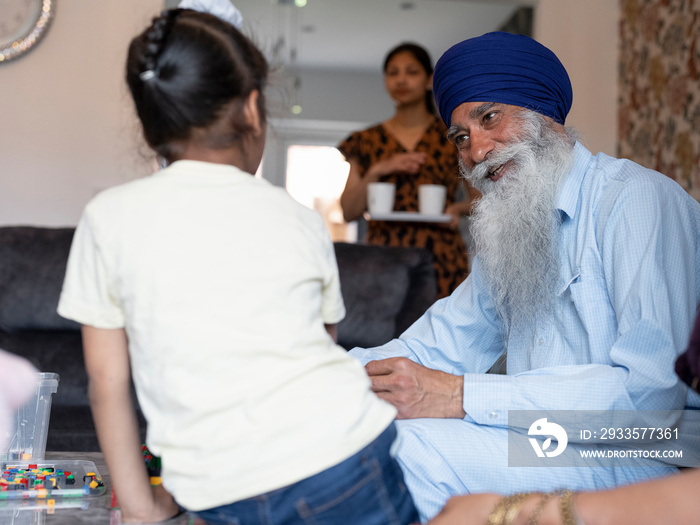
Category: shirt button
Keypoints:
(493, 415)
(541, 340)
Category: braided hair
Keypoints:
(189, 74)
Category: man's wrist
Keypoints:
(458, 397)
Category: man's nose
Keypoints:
(480, 146)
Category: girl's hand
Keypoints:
(164, 505)
(163, 508)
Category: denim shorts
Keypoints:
(367, 489)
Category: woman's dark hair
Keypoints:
(423, 57)
(189, 70)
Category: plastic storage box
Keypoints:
(25, 482)
(32, 422)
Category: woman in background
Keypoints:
(410, 149)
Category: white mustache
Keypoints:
(497, 158)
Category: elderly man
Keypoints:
(586, 278)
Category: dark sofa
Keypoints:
(385, 290)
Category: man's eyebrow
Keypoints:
(454, 129)
(480, 110)
(473, 114)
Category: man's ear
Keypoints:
(251, 113)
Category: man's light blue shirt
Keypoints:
(626, 301)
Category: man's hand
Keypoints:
(417, 391)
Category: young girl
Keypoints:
(220, 293)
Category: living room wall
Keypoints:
(68, 130)
(659, 107)
(584, 35)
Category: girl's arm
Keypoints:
(332, 330)
(109, 375)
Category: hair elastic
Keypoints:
(147, 75)
(223, 9)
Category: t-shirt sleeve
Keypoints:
(332, 304)
(350, 147)
(86, 296)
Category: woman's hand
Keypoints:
(354, 197)
(400, 163)
(456, 210)
(466, 510)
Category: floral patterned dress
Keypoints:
(374, 144)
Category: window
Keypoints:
(316, 177)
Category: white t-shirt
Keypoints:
(223, 283)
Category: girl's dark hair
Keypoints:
(423, 57)
(189, 70)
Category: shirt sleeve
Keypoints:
(460, 333)
(86, 296)
(647, 235)
(350, 147)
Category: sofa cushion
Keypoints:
(385, 289)
(58, 352)
(32, 267)
(71, 429)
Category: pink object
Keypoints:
(18, 382)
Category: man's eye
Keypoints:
(488, 117)
(460, 140)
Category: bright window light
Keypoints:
(316, 177)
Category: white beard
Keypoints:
(515, 224)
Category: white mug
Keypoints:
(431, 199)
(380, 197)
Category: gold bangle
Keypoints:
(539, 508)
(496, 516)
(514, 508)
(566, 505)
(506, 509)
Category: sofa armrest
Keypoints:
(385, 288)
(32, 267)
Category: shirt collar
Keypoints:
(569, 193)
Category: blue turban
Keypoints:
(505, 68)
